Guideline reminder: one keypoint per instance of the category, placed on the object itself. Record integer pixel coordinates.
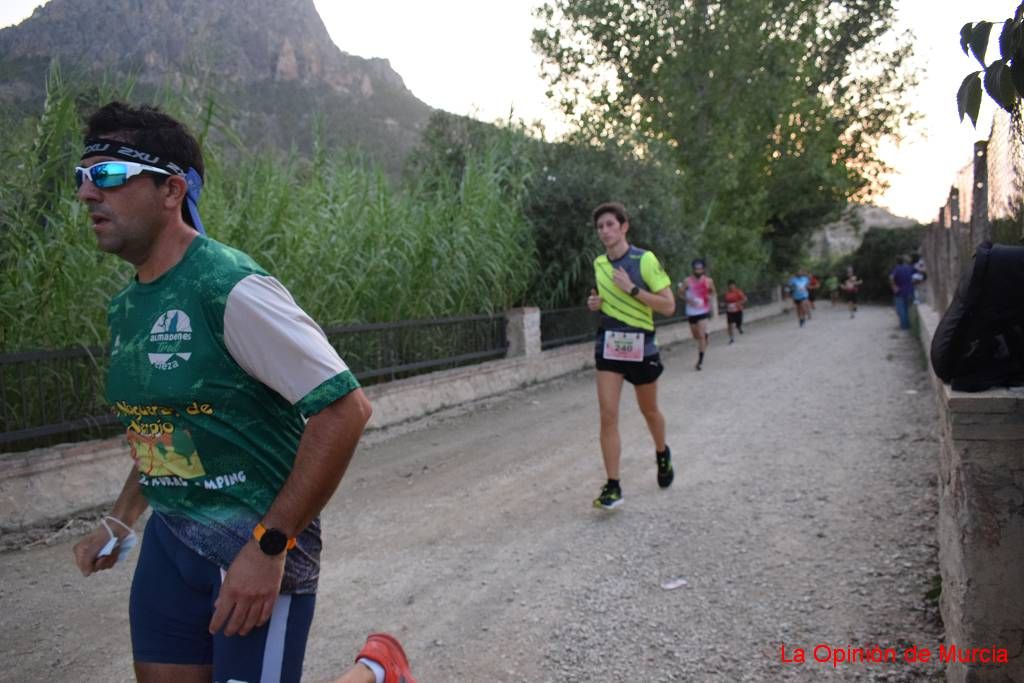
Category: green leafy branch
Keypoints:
(1003, 79)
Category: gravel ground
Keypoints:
(802, 516)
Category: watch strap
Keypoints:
(259, 530)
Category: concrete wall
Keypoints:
(981, 522)
(49, 484)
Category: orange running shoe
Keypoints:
(385, 650)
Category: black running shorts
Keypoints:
(646, 371)
(694, 319)
(735, 317)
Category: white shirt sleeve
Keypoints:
(275, 341)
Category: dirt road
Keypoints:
(802, 515)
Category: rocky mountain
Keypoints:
(844, 236)
(271, 65)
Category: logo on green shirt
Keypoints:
(170, 331)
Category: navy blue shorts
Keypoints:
(171, 606)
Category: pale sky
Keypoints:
(475, 58)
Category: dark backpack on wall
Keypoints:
(979, 343)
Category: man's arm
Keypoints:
(327, 446)
(252, 582)
(128, 508)
(662, 301)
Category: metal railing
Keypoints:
(387, 351)
(46, 393)
(563, 326)
(760, 296)
(50, 394)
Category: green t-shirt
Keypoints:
(213, 371)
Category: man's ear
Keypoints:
(175, 191)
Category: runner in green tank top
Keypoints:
(240, 421)
(631, 285)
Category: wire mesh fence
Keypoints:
(984, 203)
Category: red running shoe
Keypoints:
(385, 650)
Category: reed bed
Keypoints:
(351, 244)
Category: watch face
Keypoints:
(273, 542)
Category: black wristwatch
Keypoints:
(272, 541)
(635, 290)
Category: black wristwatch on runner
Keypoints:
(635, 290)
(272, 541)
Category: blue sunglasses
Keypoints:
(110, 174)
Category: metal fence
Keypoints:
(387, 351)
(52, 396)
(563, 326)
(49, 393)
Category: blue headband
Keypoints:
(195, 188)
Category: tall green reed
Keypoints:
(348, 242)
(54, 284)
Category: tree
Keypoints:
(1003, 79)
(564, 182)
(769, 112)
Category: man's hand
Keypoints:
(85, 552)
(594, 301)
(128, 508)
(622, 280)
(249, 591)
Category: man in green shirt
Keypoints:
(240, 417)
